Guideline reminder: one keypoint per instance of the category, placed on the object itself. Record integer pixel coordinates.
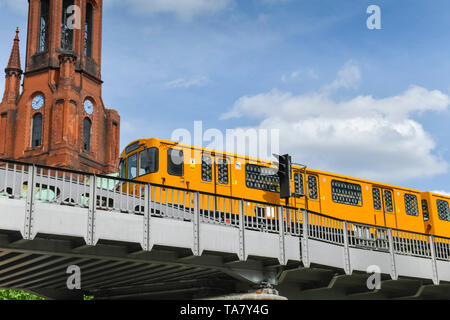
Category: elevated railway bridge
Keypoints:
(138, 240)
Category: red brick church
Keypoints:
(58, 118)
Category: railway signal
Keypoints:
(284, 173)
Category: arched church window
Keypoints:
(36, 136)
(67, 26)
(88, 30)
(43, 26)
(87, 125)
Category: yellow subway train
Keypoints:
(189, 167)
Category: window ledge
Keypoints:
(88, 152)
(31, 149)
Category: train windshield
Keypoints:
(148, 161)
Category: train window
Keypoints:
(261, 178)
(148, 161)
(426, 214)
(206, 168)
(132, 147)
(175, 162)
(388, 203)
(123, 169)
(132, 166)
(222, 171)
(412, 208)
(346, 193)
(443, 210)
(312, 187)
(298, 183)
(376, 198)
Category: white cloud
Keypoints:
(291, 76)
(300, 74)
(198, 81)
(183, 9)
(348, 78)
(365, 137)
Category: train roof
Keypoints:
(447, 197)
(235, 155)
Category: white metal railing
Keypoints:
(71, 188)
(325, 229)
(412, 244)
(442, 248)
(367, 236)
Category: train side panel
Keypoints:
(409, 210)
(345, 199)
(438, 223)
(353, 200)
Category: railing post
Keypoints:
(242, 256)
(147, 215)
(434, 262)
(196, 225)
(282, 247)
(16, 188)
(394, 274)
(304, 240)
(347, 267)
(90, 241)
(30, 204)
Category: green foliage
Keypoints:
(17, 295)
(22, 295)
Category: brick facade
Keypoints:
(66, 78)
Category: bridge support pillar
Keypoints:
(196, 225)
(433, 261)
(282, 243)
(304, 240)
(30, 204)
(148, 206)
(394, 274)
(347, 267)
(90, 236)
(241, 254)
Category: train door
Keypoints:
(313, 194)
(222, 175)
(390, 220)
(384, 205)
(222, 178)
(299, 190)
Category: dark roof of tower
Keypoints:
(14, 59)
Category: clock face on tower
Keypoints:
(88, 106)
(38, 102)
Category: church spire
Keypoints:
(14, 59)
(13, 74)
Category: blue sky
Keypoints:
(368, 103)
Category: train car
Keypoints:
(368, 202)
(437, 214)
(176, 165)
(184, 166)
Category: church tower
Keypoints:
(59, 118)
